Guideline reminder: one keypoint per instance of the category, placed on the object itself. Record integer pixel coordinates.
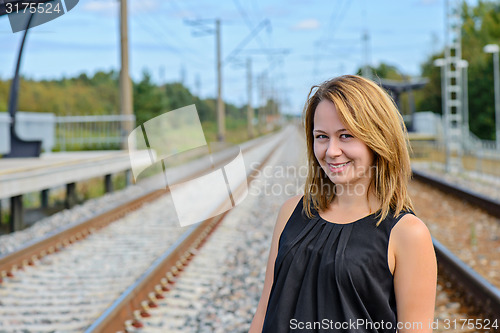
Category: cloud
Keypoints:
(111, 6)
(144, 6)
(308, 24)
(100, 6)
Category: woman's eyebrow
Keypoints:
(337, 131)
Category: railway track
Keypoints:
(185, 307)
(145, 300)
(477, 292)
(218, 288)
(179, 310)
(34, 299)
(144, 295)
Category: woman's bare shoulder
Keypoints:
(286, 210)
(411, 230)
(290, 204)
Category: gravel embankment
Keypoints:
(220, 289)
(66, 291)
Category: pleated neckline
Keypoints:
(347, 223)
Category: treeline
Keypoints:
(151, 100)
(99, 95)
(82, 95)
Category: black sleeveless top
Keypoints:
(332, 277)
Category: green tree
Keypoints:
(98, 94)
(384, 71)
(149, 102)
(481, 26)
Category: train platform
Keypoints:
(23, 175)
(179, 281)
(19, 176)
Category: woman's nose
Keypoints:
(333, 149)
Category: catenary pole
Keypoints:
(249, 105)
(221, 129)
(126, 107)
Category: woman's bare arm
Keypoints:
(283, 216)
(415, 275)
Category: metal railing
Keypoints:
(472, 144)
(479, 156)
(91, 132)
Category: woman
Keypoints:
(350, 255)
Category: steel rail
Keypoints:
(134, 302)
(147, 290)
(31, 252)
(477, 292)
(38, 249)
(491, 206)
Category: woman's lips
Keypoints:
(338, 167)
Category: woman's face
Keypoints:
(345, 159)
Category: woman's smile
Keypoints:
(338, 167)
(344, 158)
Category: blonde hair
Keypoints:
(370, 115)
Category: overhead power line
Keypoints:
(246, 40)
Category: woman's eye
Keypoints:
(321, 136)
(345, 136)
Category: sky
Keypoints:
(292, 44)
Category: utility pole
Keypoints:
(198, 85)
(203, 30)
(366, 71)
(264, 93)
(125, 82)
(249, 105)
(163, 84)
(220, 63)
(261, 120)
(221, 129)
(182, 75)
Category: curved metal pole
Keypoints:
(18, 146)
(14, 87)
